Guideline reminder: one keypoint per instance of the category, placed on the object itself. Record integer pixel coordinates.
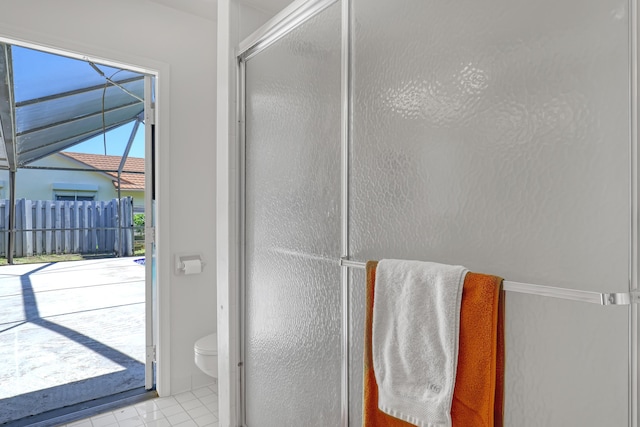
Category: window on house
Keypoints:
(74, 198)
(72, 192)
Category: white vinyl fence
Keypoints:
(59, 227)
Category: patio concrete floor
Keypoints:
(70, 332)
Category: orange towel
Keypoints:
(478, 393)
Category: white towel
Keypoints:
(416, 324)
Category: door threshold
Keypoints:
(83, 410)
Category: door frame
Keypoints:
(159, 325)
(149, 234)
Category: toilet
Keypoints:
(206, 354)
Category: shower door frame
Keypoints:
(292, 17)
(295, 15)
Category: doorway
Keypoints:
(81, 330)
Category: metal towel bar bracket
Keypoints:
(600, 298)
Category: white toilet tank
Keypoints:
(206, 354)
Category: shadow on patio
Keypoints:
(69, 333)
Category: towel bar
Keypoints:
(606, 298)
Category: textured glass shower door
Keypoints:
(495, 134)
(492, 134)
(292, 316)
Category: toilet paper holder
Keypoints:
(189, 264)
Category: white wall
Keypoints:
(182, 48)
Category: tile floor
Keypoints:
(197, 408)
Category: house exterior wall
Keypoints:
(39, 184)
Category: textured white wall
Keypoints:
(183, 48)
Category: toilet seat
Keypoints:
(207, 346)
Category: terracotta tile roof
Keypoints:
(129, 181)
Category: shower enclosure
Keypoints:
(497, 134)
